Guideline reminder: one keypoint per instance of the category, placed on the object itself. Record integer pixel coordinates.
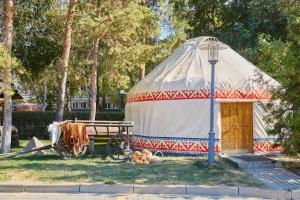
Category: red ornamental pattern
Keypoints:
(195, 146)
(198, 94)
(184, 146)
(266, 147)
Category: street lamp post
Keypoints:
(212, 59)
(213, 45)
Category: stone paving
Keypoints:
(64, 196)
(277, 178)
(267, 170)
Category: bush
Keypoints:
(31, 124)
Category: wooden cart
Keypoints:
(119, 141)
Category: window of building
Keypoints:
(83, 105)
(108, 105)
(75, 105)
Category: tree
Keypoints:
(63, 68)
(37, 38)
(281, 60)
(115, 27)
(94, 75)
(237, 22)
(7, 76)
(1, 19)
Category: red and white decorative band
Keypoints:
(197, 146)
(266, 146)
(173, 145)
(199, 94)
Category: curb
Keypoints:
(159, 189)
(52, 188)
(11, 188)
(153, 189)
(107, 189)
(264, 193)
(212, 190)
(295, 194)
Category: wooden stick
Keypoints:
(10, 155)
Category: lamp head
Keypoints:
(213, 52)
(122, 92)
(212, 45)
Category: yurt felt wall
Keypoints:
(171, 106)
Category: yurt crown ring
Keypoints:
(212, 41)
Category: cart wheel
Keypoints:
(60, 150)
(83, 152)
(116, 145)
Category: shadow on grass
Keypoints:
(50, 168)
(100, 168)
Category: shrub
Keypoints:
(31, 124)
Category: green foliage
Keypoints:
(8, 63)
(36, 40)
(31, 124)
(237, 23)
(281, 60)
(38, 34)
(126, 30)
(129, 37)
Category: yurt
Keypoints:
(170, 107)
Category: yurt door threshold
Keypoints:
(237, 127)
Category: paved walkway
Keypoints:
(277, 178)
(63, 196)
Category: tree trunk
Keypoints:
(103, 103)
(94, 79)
(7, 122)
(142, 72)
(63, 68)
(68, 98)
(94, 76)
(97, 96)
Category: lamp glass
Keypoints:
(122, 92)
(213, 52)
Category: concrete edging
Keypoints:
(153, 189)
(11, 188)
(159, 189)
(212, 190)
(295, 194)
(264, 193)
(52, 188)
(107, 189)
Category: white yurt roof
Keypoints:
(188, 69)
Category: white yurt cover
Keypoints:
(171, 106)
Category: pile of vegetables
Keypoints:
(144, 157)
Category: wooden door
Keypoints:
(237, 126)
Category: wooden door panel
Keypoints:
(237, 125)
(229, 139)
(225, 114)
(245, 139)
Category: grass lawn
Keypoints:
(174, 170)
